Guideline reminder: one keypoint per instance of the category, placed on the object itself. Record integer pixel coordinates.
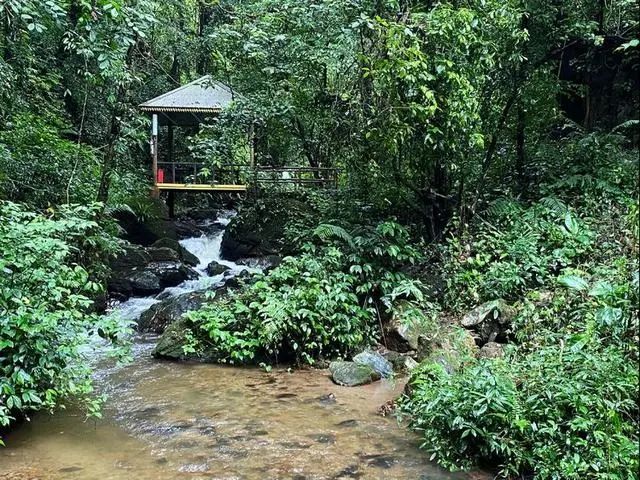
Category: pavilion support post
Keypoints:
(170, 156)
(154, 154)
(171, 203)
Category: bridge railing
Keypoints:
(197, 173)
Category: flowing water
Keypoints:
(167, 420)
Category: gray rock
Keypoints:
(406, 327)
(187, 229)
(376, 361)
(183, 254)
(490, 321)
(171, 273)
(163, 254)
(491, 350)
(215, 268)
(170, 310)
(351, 374)
(130, 257)
(144, 283)
(171, 343)
(409, 364)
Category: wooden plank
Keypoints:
(201, 187)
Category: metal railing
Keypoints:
(199, 173)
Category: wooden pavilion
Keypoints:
(188, 106)
(191, 105)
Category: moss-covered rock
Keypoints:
(169, 311)
(172, 342)
(259, 228)
(351, 374)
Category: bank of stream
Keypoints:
(165, 420)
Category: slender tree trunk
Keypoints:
(113, 135)
(521, 161)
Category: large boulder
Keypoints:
(171, 274)
(407, 328)
(351, 374)
(491, 350)
(490, 321)
(131, 256)
(146, 231)
(137, 271)
(171, 344)
(187, 229)
(144, 283)
(177, 336)
(376, 361)
(163, 254)
(183, 254)
(452, 348)
(170, 310)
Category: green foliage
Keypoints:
(324, 303)
(45, 305)
(564, 411)
(515, 248)
(38, 166)
(564, 402)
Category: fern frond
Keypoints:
(326, 231)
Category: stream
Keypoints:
(166, 420)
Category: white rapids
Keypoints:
(207, 248)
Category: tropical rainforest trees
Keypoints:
(494, 143)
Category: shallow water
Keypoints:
(167, 420)
(173, 421)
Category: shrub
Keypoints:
(45, 300)
(324, 303)
(514, 248)
(567, 411)
(36, 164)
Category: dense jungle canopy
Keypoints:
(488, 189)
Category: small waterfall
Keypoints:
(207, 248)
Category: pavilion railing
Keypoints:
(199, 173)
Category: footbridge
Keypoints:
(188, 107)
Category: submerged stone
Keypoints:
(351, 374)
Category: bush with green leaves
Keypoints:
(322, 304)
(563, 404)
(514, 248)
(45, 306)
(566, 411)
(39, 166)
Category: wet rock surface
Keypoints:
(182, 253)
(351, 374)
(376, 361)
(140, 271)
(159, 316)
(214, 268)
(490, 321)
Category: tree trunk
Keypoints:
(118, 112)
(521, 162)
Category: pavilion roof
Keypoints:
(203, 95)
